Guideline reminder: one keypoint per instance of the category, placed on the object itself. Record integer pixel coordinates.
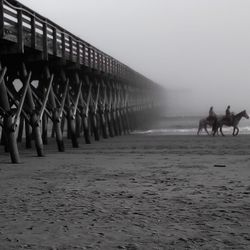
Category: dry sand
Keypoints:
(131, 192)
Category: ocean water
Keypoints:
(187, 125)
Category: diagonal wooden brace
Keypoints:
(16, 103)
(104, 95)
(34, 121)
(97, 98)
(3, 74)
(46, 97)
(61, 110)
(88, 100)
(20, 106)
(40, 103)
(77, 100)
(110, 99)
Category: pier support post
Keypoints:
(8, 128)
(45, 129)
(57, 113)
(93, 112)
(85, 110)
(102, 111)
(20, 129)
(34, 118)
(108, 110)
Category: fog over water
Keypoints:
(198, 49)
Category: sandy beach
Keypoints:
(130, 192)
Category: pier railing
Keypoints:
(30, 30)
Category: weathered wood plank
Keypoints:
(8, 12)
(70, 47)
(45, 41)
(63, 47)
(54, 41)
(33, 33)
(20, 38)
(1, 19)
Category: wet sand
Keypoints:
(131, 192)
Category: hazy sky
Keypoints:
(198, 49)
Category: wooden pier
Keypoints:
(50, 76)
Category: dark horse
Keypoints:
(233, 122)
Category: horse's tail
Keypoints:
(200, 126)
(198, 132)
(215, 126)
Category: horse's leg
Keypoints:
(234, 132)
(199, 130)
(206, 130)
(238, 130)
(221, 131)
(215, 130)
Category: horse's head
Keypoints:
(245, 114)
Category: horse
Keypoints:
(233, 122)
(203, 123)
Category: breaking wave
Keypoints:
(186, 126)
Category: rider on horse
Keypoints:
(212, 117)
(212, 114)
(229, 114)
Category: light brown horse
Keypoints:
(206, 122)
(203, 124)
